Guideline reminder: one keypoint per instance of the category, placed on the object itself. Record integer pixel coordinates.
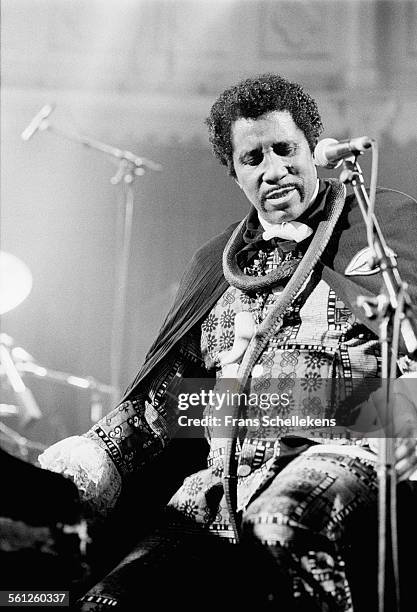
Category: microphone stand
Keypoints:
(130, 166)
(392, 307)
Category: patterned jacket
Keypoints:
(140, 427)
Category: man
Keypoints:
(267, 302)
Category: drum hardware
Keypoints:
(96, 388)
(16, 363)
(23, 444)
(15, 286)
(8, 410)
(63, 377)
(29, 409)
(81, 531)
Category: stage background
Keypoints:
(142, 75)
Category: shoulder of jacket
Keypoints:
(215, 244)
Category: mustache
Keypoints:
(298, 186)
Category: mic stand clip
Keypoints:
(126, 172)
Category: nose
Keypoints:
(275, 168)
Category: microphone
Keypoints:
(330, 152)
(36, 123)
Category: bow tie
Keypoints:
(288, 230)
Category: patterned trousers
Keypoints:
(309, 515)
(309, 544)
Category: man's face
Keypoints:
(274, 165)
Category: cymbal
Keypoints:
(15, 281)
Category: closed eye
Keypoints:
(285, 149)
(255, 157)
(252, 158)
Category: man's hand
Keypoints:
(90, 468)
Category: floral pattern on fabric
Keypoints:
(318, 340)
(200, 495)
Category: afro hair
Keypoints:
(254, 97)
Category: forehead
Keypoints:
(276, 126)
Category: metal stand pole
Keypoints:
(125, 220)
(391, 305)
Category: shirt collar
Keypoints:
(311, 217)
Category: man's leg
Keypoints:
(315, 512)
(182, 565)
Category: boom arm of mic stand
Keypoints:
(128, 156)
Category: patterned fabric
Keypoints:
(318, 340)
(338, 346)
(303, 508)
(310, 508)
(138, 429)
